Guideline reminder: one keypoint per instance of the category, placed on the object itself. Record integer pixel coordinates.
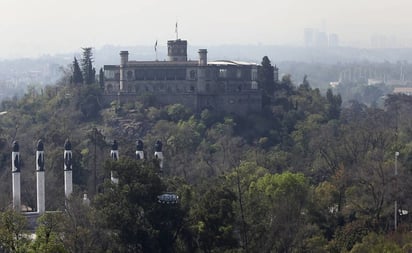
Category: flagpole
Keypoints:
(177, 32)
(155, 48)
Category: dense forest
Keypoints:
(304, 175)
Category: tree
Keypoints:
(90, 106)
(266, 79)
(177, 112)
(334, 103)
(305, 84)
(375, 243)
(82, 229)
(77, 76)
(220, 151)
(101, 78)
(12, 225)
(48, 234)
(88, 71)
(215, 220)
(279, 201)
(240, 180)
(130, 209)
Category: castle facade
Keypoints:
(229, 86)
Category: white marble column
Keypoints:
(68, 176)
(159, 154)
(41, 194)
(114, 153)
(139, 150)
(15, 169)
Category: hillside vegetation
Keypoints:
(305, 175)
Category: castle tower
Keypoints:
(114, 153)
(15, 169)
(201, 72)
(40, 177)
(177, 50)
(68, 174)
(139, 150)
(202, 57)
(124, 59)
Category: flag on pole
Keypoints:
(155, 46)
(177, 35)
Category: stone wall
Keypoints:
(237, 103)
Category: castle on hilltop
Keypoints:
(229, 86)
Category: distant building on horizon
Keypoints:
(333, 40)
(309, 37)
(403, 90)
(225, 85)
(315, 38)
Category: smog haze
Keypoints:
(33, 28)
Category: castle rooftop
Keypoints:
(231, 63)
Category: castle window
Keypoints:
(208, 74)
(239, 74)
(109, 88)
(222, 73)
(254, 75)
(170, 75)
(254, 85)
(180, 74)
(139, 74)
(109, 74)
(192, 88)
(129, 75)
(150, 75)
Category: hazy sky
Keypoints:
(35, 27)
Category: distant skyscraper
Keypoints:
(314, 38)
(333, 40)
(308, 37)
(321, 39)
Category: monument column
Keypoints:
(68, 176)
(15, 169)
(139, 150)
(114, 153)
(41, 207)
(159, 154)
